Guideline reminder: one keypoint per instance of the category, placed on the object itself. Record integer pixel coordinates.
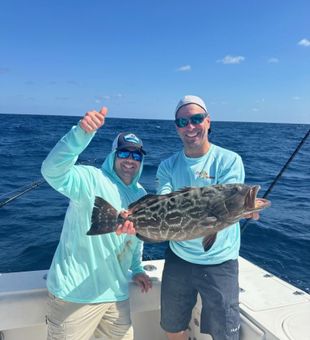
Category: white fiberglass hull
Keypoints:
(270, 307)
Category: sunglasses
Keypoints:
(135, 155)
(195, 120)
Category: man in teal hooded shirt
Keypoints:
(88, 278)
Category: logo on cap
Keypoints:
(131, 138)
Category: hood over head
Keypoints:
(125, 140)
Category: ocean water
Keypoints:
(30, 225)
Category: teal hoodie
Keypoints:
(90, 269)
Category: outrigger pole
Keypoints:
(245, 224)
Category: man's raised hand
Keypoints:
(93, 120)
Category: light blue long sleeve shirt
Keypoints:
(217, 166)
(90, 269)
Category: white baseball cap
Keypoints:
(191, 100)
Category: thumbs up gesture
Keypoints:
(93, 120)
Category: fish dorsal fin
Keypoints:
(148, 199)
(187, 188)
(143, 198)
(184, 189)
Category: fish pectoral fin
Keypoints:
(208, 241)
(104, 218)
(209, 222)
(148, 240)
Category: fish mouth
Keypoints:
(252, 203)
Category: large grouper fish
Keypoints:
(182, 215)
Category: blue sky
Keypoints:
(249, 60)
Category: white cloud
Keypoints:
(273, 60)
(184, 68)
(100, 99)
(229, 59)
(296, 98)
(304, 42)
(255, 109)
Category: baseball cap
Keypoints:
(127, 140)
(191, 100)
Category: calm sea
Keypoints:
(31, 224)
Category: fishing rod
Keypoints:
(32, 186)
(245, 224)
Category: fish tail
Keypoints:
(104, 218)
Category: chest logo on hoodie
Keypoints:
(204, 174)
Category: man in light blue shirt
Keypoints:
(188, 268)
(88, 278)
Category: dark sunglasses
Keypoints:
(195, 120)
(135, 155)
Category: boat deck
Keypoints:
(270, 307)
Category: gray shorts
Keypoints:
(219, 290)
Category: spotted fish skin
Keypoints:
(182, 215)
